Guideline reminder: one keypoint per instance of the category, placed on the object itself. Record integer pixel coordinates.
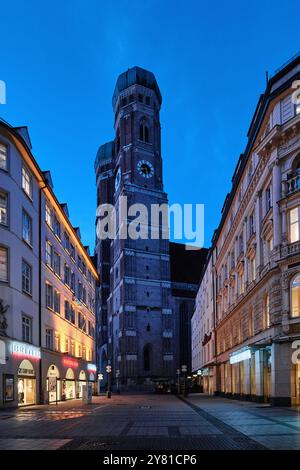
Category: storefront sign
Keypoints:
(92, 367)
(239, 356)
(205, 371)
(2, 352)
(69, 362)
(25, 350)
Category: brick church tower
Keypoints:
(135, 316)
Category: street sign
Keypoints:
(108, 369)
(100, 376)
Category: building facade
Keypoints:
(256, 255)
(203, 332)
(47, 285)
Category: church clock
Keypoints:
(145, 169)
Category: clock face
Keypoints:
(118, 179)
(145, 169)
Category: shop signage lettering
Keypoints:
(69, 362)
(26, 371)
(91, 367)
(25, 350)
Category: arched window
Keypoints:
(144, 131)
(295, 296)
(147, 357)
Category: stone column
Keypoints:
(259, 377)
(276, 195)
(247, 377)
(281, 362)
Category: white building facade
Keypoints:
(203, 336)
(47, 350)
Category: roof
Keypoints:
(136, 76)
(105, 153)
(186, 265)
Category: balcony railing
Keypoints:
(292, 184)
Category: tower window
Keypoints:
(144, 132)
(148, 327)
(147, 357)
(147, 100)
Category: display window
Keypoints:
(26, 384)
(69, 385)
(81, 383)
(53, 384)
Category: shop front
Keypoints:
(20, 373)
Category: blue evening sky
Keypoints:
(60, 61)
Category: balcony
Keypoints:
(291, 185)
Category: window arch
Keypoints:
(295, 296)
(147, 357)
(144, 134)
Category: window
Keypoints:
(26, 329)
(148, 100)
(67, 275)
(56, 263)
(73, 315)
(268, 199)
(26, 278)
(79, 350)
(83, 268)
(48, 215)
(140, 98)
(67, 310)
(26, 227)
(3, 264)
(67, 242)
(56, 226)
(72, 251)
(66, 344)
(241, 244)
(295, 296)
(3, 157)
(72, 348)
(79, 263)
(56, 301)
(294, 225)
(79, 290)
(49, 296)
(26, 182)
(144, 131)
(251, 224)
(84, 295)
(72, 282)
(3, 208)
(49, 254)
(49, 338)
(57, 341)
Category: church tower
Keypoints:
(140, 320)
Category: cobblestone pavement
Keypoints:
(151, 422)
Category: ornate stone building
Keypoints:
(256, 254)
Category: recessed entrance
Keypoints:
(26, 384)
(53, 384)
